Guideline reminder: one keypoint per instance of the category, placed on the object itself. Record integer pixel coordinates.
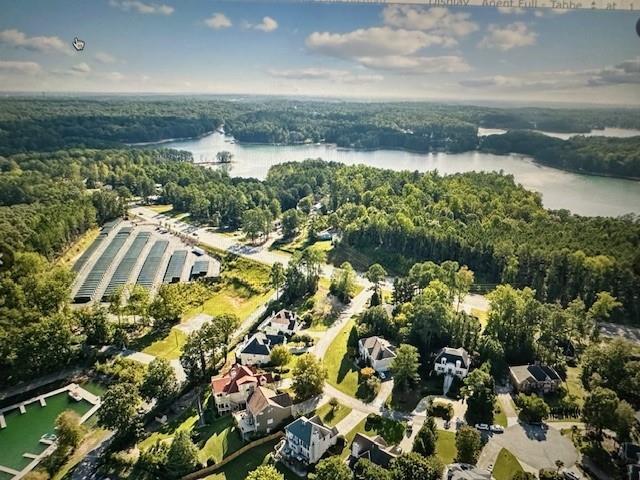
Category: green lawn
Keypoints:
(160, 208)
(169, 347)
(390, 430)
(446, 446)
(332, 417)
(574, 384)
(506, 466)
(499, 417)
(342, 371)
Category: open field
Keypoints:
(342, 371)
(506, 466)
(446, 446)
(79, 246)
(331, 416)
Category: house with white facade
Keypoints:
(256, 350)
(232, 389)
(452, 361)
(306, 441)
(284, 322)
(377, 352)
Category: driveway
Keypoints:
(534, 447)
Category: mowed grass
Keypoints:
(574, 384)
(79, 246)
(342, 372)
(169, 347)
(499, 417)
(446, 446)
(506, 466)
(331, 416)
(160, 208)
(391, 430)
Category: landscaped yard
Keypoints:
(331, 416)
(574, 384)
(390, 430)
(499, 417)
(161, 208)
(446, 446)
(506, 466)
(342, 371)
(407, 399)
(169, 347)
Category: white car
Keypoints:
(482, 426)
(497, 429)
(490, 467)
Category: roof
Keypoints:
(538, 373)
(303, 427)
(378, 348)
(261, 343)
(633, 472)
(464, 471)
(453, 355)
(283, 316)
(239, 375)
(631, 450)
(263, 397)
(374, 449)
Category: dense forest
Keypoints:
(601, 155)
(48, 124)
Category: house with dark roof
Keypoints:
(306, 441)
(465, 471)
(452, 361)
(534, 378)
(284, 322)
(629, 453)
(232, 389)
(377, 352)
(266, 411)
(256, 350)
(374, 449)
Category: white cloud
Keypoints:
(511, 10)
(18, 39)
(627, 72)
(115, 76)
(510, 36)
(437, 20)
(105, 58)
(81, 68)
(25, 68)
(217, 21)
(417, 65)
(142, 7)
(267, 25)
(325, 74)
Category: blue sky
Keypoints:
(320, 49)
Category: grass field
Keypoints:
(332, 417)
(169, 347)
(574, 384)
(160, 208)
(390, 430)
(79, 246)
(342, 372)
(499, 417)
(506, 466)
(446, 446)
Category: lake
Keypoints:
(581, 194)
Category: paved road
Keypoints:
(508, 408)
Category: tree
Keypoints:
(533, 407)
(479, 392)
(138, 304)
(95, 325)
(265, 472)
(224, 156)
(332, 468)
(426, 438)
(280, 355)
(119, 408)
(378, 322)
(182, 457)
(376, 274)
(603, 306)
(291, 221)
(429, 316)
(405, 365)
(308, 377)
(599, 409)
(68, 429)
(160, 381)
(468, 445)
(343, 282)
(625, 419)
(411, 466)
(365, 469)
(256, 221)
(277, 277)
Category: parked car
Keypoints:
(490, 467)
(569, 475)
(447, 424)
(409, 427)
(497, 429)
(482, 426)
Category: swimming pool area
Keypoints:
(26, 427)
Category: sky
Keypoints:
(352, 50)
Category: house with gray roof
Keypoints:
(374, 449)
(266, 411)
(534, 378)
(256, 350)
(465, 471)
(306, 441)
(377, 352)
(452, 361)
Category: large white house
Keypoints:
(256, 350)
(377, 352)
(452, 361)
(306, 441)
(232, 389)
(285, 322)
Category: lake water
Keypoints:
(605, 132)
(581, 194)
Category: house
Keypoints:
(285, 322)
(629, 453)
(377, 352)
(374, 449)
(464, 471)
(266, 411)
(534, 378)
(452, 361)
(256, 350)
(633, 472)
(306, 441)
(232, 389)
